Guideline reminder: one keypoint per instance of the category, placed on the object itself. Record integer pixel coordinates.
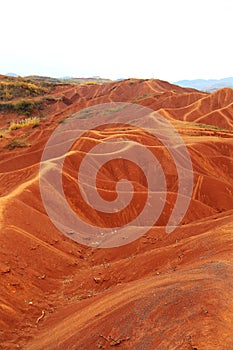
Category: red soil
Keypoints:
(163, 291)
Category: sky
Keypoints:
(165, 39)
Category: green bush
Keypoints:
(24, 107)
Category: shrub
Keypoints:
(16, 143)
(7, 107)
(18, 88)
(24, 107)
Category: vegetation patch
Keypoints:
(24, 107)
(140, 98)
(24, 123)
(113, 110)
(211, 127)
(17, 143)
(7, 107)
(19, 88)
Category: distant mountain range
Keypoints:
(65, 79)
(209, 85)
(206, 85)
(12, 75)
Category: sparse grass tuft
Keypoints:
(91, 83)
(16, 143)
(113, 110)
(24, 123)
(63, 120)
(211, 127)
(140, 98)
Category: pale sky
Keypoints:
(165, 39)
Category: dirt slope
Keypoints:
(163, 291)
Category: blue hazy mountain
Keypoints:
(12, 75)
(206, 85)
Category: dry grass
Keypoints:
(19, 88)
(24, 123)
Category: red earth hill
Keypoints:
(161, 291)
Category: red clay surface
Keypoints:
(163, 291)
